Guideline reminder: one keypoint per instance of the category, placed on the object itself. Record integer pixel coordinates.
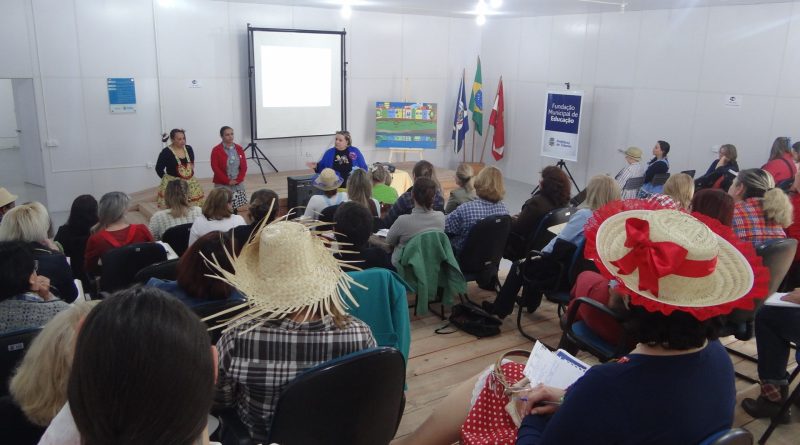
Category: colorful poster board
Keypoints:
(562, 122)
(405, 125)
(121, 95)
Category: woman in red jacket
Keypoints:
(230, 166)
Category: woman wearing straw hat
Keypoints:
(678, 274)
(328, 181)
(295, 319)
(7, 201)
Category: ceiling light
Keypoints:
(495, 3)
(482, 8)
(480, 19)
(346, 11)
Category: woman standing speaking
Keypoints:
(176, 161)
(229, 166)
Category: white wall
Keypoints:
(650, 75)
(71, 47)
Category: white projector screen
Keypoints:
(297, 85)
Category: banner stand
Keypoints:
(563, 166)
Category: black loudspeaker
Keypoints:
(300, 191)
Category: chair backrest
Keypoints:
(659, 178)
(689, 172)
(578, 199)
(215, 307)
(363, 396)
(733, 436)
(165, 270)
(120, 265)
(178, 237)
(542, 236)
(13, 347)
(634, 183)
(777, 255)
(483, 248)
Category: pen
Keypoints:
(541, 402)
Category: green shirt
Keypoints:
(384, 194)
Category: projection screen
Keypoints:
(297, 82)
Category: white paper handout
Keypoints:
(775, 300)
(558, 369)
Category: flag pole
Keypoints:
(483, 150)
(472, 155)
(485, 138)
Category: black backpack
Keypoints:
(472, 319)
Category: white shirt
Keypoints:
(202, 225)
(318, 203)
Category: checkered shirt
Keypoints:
(255, 366)
(664, 201)
(459, 222)
(749, 223)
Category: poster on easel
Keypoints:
(405, 125)
(562, 121)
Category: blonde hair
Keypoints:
(465, 177)
(601, 190)
(359, 187)
(758, 183)
(680, 187)
(176, 196)
(27, 222)
(489, 184)
(39, 384)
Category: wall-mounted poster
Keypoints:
(121, 95)
(405, 125)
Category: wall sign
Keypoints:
(121, 95)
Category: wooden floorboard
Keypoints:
(437, 363)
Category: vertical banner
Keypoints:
(121, 95)
(562, 122)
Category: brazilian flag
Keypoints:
(476, 100)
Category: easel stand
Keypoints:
(563, 166)
(404, 152)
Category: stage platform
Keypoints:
(143, 203)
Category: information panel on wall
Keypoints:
(121, 95)
(405, 125)
(562, 123)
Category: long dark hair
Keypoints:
(192, 268)
(16, 267)
(143, 371)
(83, 214)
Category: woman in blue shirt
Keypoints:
(342, 157)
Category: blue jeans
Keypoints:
(776, 327)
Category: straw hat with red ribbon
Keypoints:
(668, 260)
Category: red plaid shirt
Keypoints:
(750, 224)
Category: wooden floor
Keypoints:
(439, 362)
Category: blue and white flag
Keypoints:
(460, 121)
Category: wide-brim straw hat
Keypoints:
(287, 268)
(668, 260)
(632, 152)
(6, 197)
(327, 179)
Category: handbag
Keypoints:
(472, 319)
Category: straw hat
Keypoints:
(327, 179)
(6, 198)
(632, 152)
(284, 269)
(668, 260)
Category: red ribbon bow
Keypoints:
(655, 260)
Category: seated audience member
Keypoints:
(634, 169)
(722, 171)
(328, 181)
(7, 201)
(677, 193)
(178, 210)
(404, 204)
(168, 385)
(38, 387)
(217, 215)
(194, 286)
(466, 188)
(793, 231)
(381, 185)
(264, 205)
(796, 152)
(490, 190)
(781, 161)
(421, 219)
(25, 298)
(776, 328)
(714, 203)
(677, 371)
(111, 230)
(353, 225)
(658, 165)
(73, 235)
(359, 190)
(600, 191)
(30, 224)
(553, 193)
(762, 210)
(296, 321)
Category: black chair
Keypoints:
(215, 307)
(541, 236)
(119, 266)
(689, 172)
(579, 334)
(13, 347)
(659, 178)
(567, 277)
(578, 199)
(178, 237)
(794, 397)
(633, 184)
(363, 403)
(483, 249)
(165, 270)
(734, 436)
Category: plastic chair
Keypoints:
(542, 236)
(794, 397)
(633, 184)
(582, 336)
(165, 270)
(178, 237)
(659, 179)
(121, 265)
(734, 436)
(13, 347)
(483, 249)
